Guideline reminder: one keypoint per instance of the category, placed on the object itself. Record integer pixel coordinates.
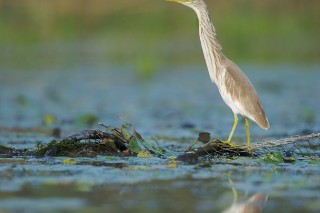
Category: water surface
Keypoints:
(173, 106)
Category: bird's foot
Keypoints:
(248, 147)
(230, 144)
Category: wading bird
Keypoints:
(234, 86)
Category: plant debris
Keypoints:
(215, 149)
(7, 152)
(127, 142)
(112, 142)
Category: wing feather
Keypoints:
(243, 95)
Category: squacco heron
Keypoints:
(234, 86)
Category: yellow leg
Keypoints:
(248, 133)
(233, 128)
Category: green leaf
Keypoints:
(125, 132)
(135, 146)
(144, 154)
(151, 145)
(273, 157)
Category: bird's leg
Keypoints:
(233, 128)
(248, 133)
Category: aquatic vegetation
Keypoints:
(273, 158)
(121, 142)
(113, 142)
(70, 161)
(49, 120)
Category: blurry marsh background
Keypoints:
(62, 60)
(150, 35)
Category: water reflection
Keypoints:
(254, 204)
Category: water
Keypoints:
(172, 106)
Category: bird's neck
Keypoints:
(211, 48)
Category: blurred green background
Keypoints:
(37, 34)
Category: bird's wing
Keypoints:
(244, 94)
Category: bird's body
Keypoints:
(234, 86)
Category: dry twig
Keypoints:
(285, 141)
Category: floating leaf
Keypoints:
(315, 161)
(70, 161)
(49, 120)
(273, 157)
(144, 154)
(173, 164)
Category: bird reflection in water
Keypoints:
(254, 204)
